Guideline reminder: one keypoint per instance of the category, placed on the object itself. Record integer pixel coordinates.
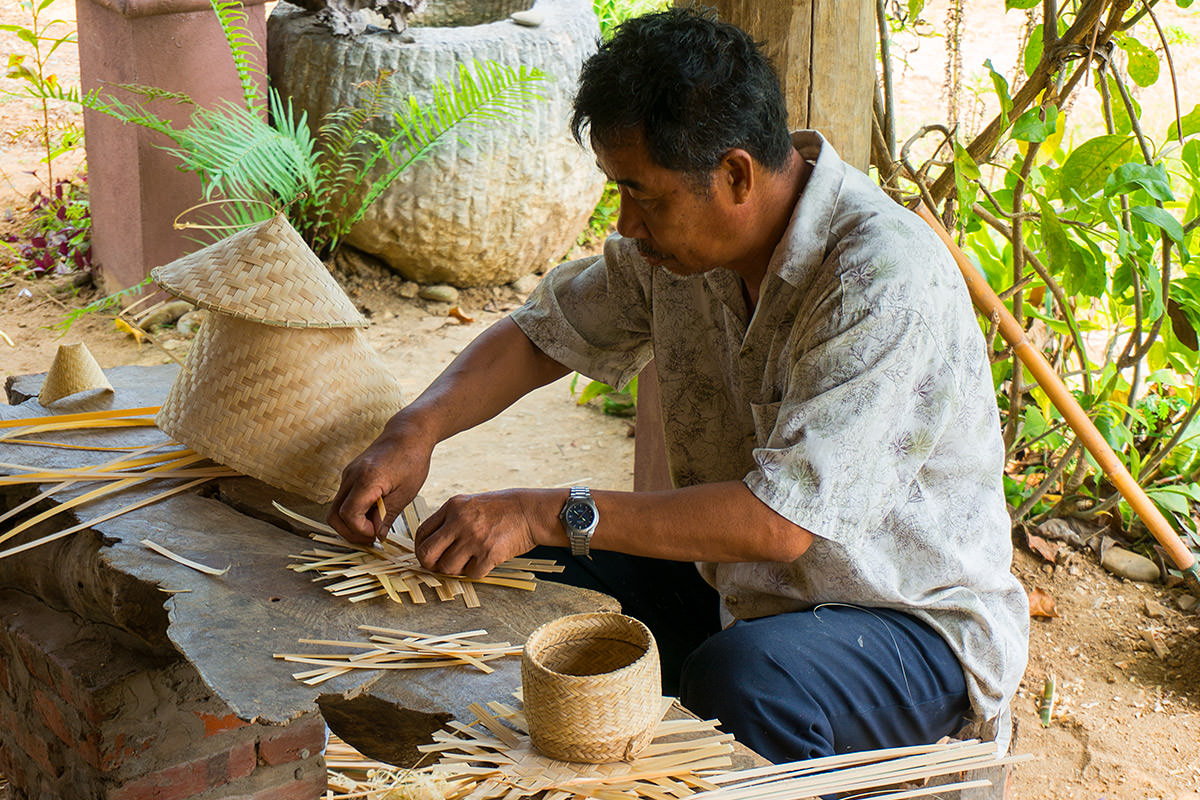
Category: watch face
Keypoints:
(580, 516)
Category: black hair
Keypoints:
(695, 87)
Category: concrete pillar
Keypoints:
(136, 189)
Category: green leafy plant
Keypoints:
(258, 156)
(1091, 240)
(614, 402)
(612, 13)
(44, 37)
(58, 236)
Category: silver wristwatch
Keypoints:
(579, 517)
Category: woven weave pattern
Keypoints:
(288, 407)
(265, 273)
(592, 687)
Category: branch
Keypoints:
(889, 95)
(1071, 41)
(1051, 478)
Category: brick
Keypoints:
(294, 742)
(11, 768)
(181, 781)
(33, 658)
(214, 724)
(35, 747)
(47, 708)
(311, 787)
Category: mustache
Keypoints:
(647, 250)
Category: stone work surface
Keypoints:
(492, 202)
(173, 669)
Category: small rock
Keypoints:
(187, 325)
(525, 284)
(409, 289)
(165, 314)
(1153, 609)
(530, 19)
(439, 293)
(1127, 564)
(1186, 602)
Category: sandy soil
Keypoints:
(1126, 659)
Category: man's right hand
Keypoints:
(394, 467)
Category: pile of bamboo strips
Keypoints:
(391, 569)
(890, 774)
(493, 758)
(138, 465)
(350, 774)
(389, 648)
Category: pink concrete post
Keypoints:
(136, 188)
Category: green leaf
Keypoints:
(966, 173)
(915, 7)
(1161, 218)
(1089, 165)
(1009, 5)
(1127, 177)
(1190, 155)
(1066, 257)
(1030, 127)
(1191, 125)
(1001, 85)
(1170, 499)
(1143, 62)
(1033, 50)
(1183, 3)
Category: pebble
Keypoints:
(409, 289)
(187, 325)
(165, 314)
(1154, 609)
(1127, 564)
(530, 19)
(526, 284)
(1186, 602)
(439, 293)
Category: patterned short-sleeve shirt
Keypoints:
(856, 401)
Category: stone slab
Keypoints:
(229, 626)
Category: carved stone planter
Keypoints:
(491, 203)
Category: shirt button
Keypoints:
(730, 600)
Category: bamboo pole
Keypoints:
(990, 305)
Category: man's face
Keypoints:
(677, 224)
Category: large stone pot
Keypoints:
(494, 202)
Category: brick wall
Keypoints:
(88, 713)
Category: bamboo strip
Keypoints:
(116, 486)
(83, 416)
(187, 562)
(102, 518)
(50, 427)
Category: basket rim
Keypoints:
(649, 647)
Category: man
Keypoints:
(828, 412)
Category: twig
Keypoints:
(1051, 478)
(889, 96)
(1162, 37)
(1016, 387)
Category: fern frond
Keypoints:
(486, 92)
(235, 24)
(156, 93)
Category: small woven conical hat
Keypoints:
(265, 273)
(73, 370)
(289, 407)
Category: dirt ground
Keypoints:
(1125, 657)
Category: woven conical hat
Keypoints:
(265, 273)
(289, 407)
(73, 370)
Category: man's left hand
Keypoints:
(471, 534)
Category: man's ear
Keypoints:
(737, 171)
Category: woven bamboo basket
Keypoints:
(592, 687)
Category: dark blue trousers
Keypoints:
(831, 679)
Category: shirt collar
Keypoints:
(803, 244)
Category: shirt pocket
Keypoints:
(765, 416)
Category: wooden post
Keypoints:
(824, 52)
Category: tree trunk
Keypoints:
(824, 53)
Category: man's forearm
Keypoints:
(498, 368)
(722, 522)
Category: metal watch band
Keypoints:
(579, 538)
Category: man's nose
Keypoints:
(629, 221)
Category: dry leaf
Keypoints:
(1044, 548)
(1041, 604)
(457, 313)
(125, 327)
